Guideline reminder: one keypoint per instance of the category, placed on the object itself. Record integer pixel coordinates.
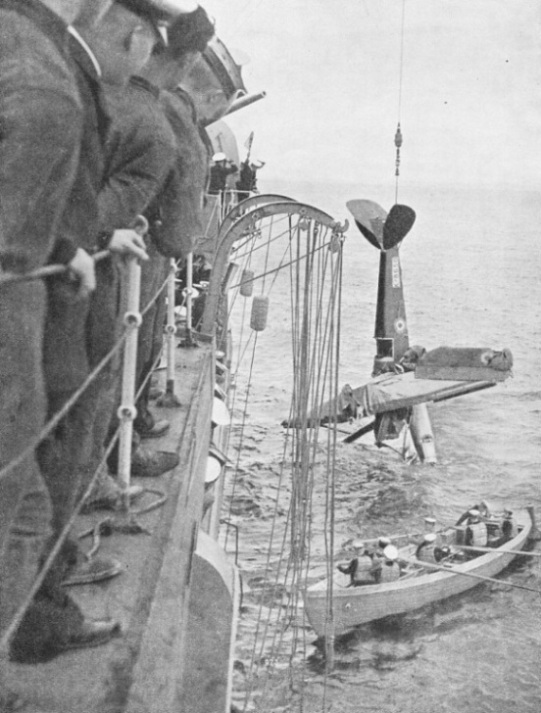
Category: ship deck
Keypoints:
(141, 671)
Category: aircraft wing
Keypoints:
(389, 392)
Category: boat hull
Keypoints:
(353, 606)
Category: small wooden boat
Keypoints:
(416, 588)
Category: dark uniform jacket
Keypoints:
(139, 166)
(40, 124)
(182, 202)
(248, 178)
(67, 345)
(139, 155)
(40, 129)
(218, 177)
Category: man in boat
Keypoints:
(387, 568)
(476, 530)
(508, 529)
(381, 544)
(482, 508)
(362, 567)
(426, 551)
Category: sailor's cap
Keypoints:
(430, 520)
(430, 537)
(390, 552)
(384, 541)
(357, 544)
(220, 156)
(162, 10)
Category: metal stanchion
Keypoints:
(189, 292)
(169, 399)
(127, 411)
(188, 340)
(125, 520)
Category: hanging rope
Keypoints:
(313, 260)
(398, 139)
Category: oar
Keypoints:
(493, 549)
(400, 536)
(450, 570)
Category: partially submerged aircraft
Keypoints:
(405, 378)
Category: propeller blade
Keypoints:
(398, 224)
(370, 219)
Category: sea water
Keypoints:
(472, 277)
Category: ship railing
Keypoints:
(127, 411)
(223, 202)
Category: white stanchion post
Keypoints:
(127, 410)
(168, 399)
(189, 292)
(170, 327)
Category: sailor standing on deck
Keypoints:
(72, 346)
(41, 117)
(137, 162)
(247, 182)
(221, 168)
(175, 211)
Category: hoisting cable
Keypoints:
(398, 135)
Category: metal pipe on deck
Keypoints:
(127, 410)
(169, 399)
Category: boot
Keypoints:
(107, 495)
(50, 628)
(157, 430)
(151, 464)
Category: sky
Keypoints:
(463, 78)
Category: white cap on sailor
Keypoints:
(390, 552)
(357, 544)
(430, 537)
(219, 156)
